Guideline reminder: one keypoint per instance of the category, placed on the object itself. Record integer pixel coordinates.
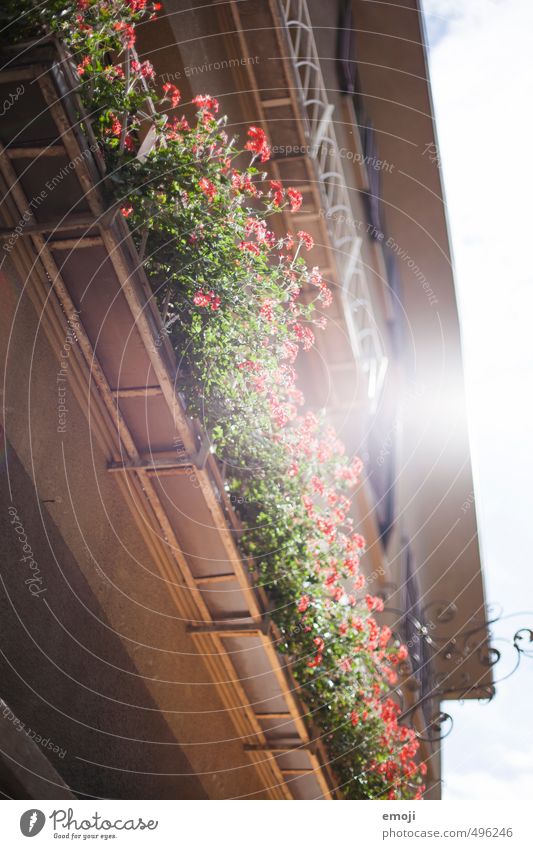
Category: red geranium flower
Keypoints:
(307, 240)
(373, 602)
(279, 194)
(205, 101)
(172, 93)
(207, 299)
(251, 247)
(83, 65)
(295, 198)
(127, 31)
(267, 309)
(258, 143)
(201, 299)
(303, 604)
(208, 188)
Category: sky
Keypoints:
(481, 73)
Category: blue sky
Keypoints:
(482, 81)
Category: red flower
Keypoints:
(258, 143)
(338, 593)
(315, 278)
(83, 65)
(319, 643)
(373, 602)
(326, 296)
(295, 198)
(358, 541)
(145, 69)
(127, 33)
(207, 299)
(290, 351)
(251, 247)
(267, 309)
(201, 299)
(317, 660)
(257, 227)
(116, 126)
(208, 188)
(205, 101)
(303, 604)
(126, 210)
(113, 71)
(172, 93)
(305, 335)
(129, 144)
(359, 582)
(306, 239)
(354, 718)
(279, 194)
(351, 564)
(391, 676)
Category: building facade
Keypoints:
(138, 658)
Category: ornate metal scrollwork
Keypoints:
(427, 645)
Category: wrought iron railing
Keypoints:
(324, 150)
(454, 680)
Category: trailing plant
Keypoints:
(230, 285)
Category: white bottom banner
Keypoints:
(236, 824)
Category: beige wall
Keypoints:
(101, 662)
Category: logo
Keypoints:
(32, 822)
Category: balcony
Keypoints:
(81, 268)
